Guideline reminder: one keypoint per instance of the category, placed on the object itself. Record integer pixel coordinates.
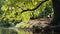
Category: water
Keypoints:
(14, 31)
(26, 31)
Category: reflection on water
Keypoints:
(27, 31)
(11, 31)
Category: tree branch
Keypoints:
(34, 8)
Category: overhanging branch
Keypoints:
(35, 7)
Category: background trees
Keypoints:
(18, 12)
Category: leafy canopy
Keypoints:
(12, 11)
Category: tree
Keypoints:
(56, 6)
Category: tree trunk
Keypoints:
(56, 6)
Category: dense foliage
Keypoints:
(10, 11)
